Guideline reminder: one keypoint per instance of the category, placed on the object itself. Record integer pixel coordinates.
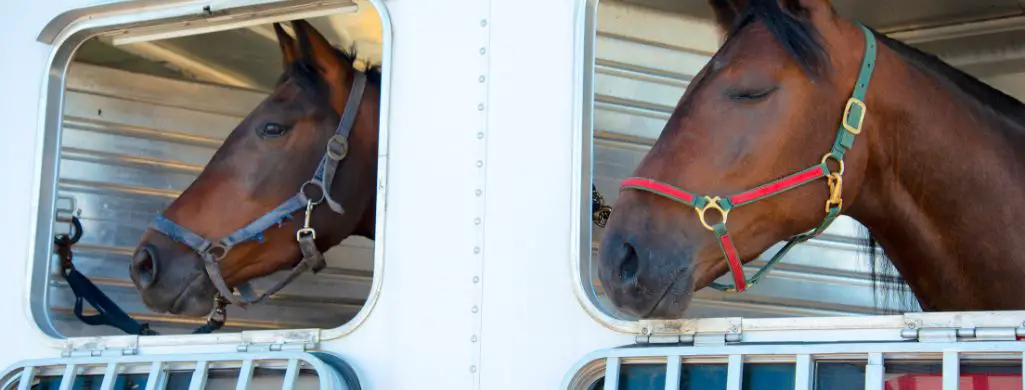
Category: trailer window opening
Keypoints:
(143, 113)
(639, 74)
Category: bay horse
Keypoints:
(802, 115)
(253, 210)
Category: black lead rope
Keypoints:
(108, 312)
(599, 210)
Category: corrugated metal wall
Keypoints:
(131, 143)
(641, 70)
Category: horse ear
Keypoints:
(315, 49)
(726, 12)
(289, 51)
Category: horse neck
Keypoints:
(942, 191)
(368, 222)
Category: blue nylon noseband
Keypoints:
(212, 252)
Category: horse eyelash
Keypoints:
(752, 95)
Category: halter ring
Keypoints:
(216, 251)
(318, 185)
(834, 158)
(711, 203)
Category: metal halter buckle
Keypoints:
(853, 101)
(337, 147)
(835, 182)
(306, 230)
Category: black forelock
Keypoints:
(791, 28)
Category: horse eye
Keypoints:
(272, 130)
(752, 94)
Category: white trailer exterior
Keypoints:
(488, 112)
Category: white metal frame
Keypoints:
(68, 31)
(157, 367)
(608, 362)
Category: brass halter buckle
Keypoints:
(711, 203)
(853, 101)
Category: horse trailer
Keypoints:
(117, 107)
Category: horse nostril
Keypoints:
(144, 266)
(628, 269)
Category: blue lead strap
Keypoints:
(109, 312)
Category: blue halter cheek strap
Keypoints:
(212, 252)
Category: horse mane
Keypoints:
(373, 71)
(983, 98)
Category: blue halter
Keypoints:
(212, 252)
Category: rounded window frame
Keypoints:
(65, 34)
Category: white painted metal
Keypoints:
(951, 370)
(804, 373)
(487, 122)
(285, 370)
(734, 372)
(613, 362)
(874, 371)
(673, 372)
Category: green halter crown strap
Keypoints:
(850, 126)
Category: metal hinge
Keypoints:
(940, 335)
(283, 340)
(705, 332)
(955, 327)
(101, 346)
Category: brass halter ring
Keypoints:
(830, 156)
(711, 203)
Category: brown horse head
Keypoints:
(262, 166)
(767, 104)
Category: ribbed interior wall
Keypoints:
(641, 71)
(130, 144)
